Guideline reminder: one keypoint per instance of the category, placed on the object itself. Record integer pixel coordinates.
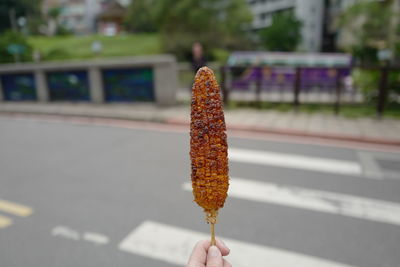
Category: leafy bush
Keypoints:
(14, 38)
(62, 31)
(394, 87)
(364, 54)
(56, 54)
(368, 83)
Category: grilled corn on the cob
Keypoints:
(208, 146)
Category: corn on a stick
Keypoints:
(208, 146)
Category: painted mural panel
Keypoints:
(18, 87)
(128, 85)
(68, 86)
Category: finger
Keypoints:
(227, 264)
(205, 244)
(214, 257)
(222, 247)
(199, 254)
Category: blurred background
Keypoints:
(94, 144)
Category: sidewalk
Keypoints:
(386, 131)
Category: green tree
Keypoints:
(213, 23)
(284, 34)
(367, 27)
(27, 8)
(142, 15)
(53, 21)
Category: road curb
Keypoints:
(289, 132)
(236, 127)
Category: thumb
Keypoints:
(214, 257)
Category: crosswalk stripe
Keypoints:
(321, 201)
(5, 221)
(96, 238)
(15, 209)
(173, 245)
(295, 161)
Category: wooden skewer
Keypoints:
(213, 242)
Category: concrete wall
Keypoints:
(165, 75)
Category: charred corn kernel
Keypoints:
(208, 145)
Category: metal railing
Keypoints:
(299, 85)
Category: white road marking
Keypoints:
(65, 232)
(174, 245)
(68, 233)
(372, 168)
(295, 161)
(98, 239)
(369, 165)
(321, 201)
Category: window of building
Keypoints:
(264, 16)
(313, 9)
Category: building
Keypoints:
(77, 16)
(317, 16)
(263, 10)
(309, 12)
(110, 20)
(319, 31)
(80, 16)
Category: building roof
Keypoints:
(261, 58)
(112, 10)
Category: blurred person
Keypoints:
(198, 59)
(205, 255)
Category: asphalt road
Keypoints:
(71, 195)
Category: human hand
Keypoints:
(205, 255)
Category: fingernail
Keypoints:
(223, 243)
(213, 252)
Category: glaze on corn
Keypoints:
(208, 145)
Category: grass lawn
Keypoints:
(79, 47)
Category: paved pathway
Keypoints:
(320, 125)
